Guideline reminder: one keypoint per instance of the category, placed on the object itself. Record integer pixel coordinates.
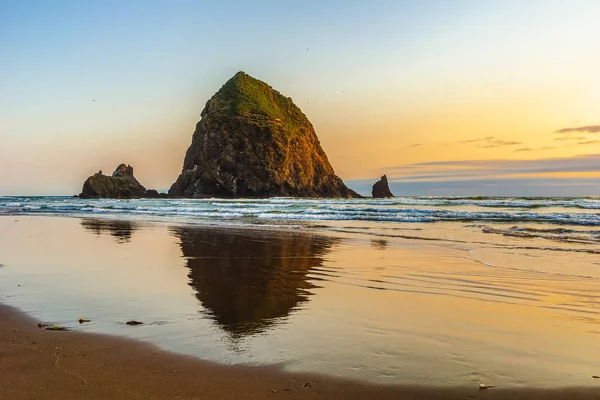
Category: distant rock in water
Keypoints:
(254, 142)
(152, 194)
(381, 188)
(121, 185)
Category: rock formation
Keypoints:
(122, 184)
(381, 188)
(152, 194)
(252, 141)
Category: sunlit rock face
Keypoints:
(254, 142)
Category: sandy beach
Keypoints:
(251, 314)
(36, 364)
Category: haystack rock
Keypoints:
(122, 184)
(252, 141)
(381, 188)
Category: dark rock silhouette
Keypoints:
(381, 188)
(250, 281)
(152, 194)
(121, 185)
(254, 142)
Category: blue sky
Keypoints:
(87, 85)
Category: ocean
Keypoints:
(557, 220)
(554, 211)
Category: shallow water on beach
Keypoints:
(451, 303)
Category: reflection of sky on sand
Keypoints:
(389, 310)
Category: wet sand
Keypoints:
(378, 318)
(35, 363)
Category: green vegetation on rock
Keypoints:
(248, 97)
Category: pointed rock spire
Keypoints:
(381, 188)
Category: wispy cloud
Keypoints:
(477, 140)
(523, 149)
(490, 142)
(580, 140)
(570, 138)
(581, 129)
(588, 142)
(415, 145)
(490, 187)
(552, 176)
(500, 143)
(488, 169)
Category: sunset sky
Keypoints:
(445, 97)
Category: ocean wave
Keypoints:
(555, 234)
(505, 202)
(556, 211)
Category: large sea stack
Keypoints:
(252, 141)
(122, 184)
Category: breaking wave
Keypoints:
(556, 211)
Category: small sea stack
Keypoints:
(381, 189)
(120, 185)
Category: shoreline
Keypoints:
(36, 363)
(274, 228)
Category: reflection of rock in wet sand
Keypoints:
(248, 281)
(379, 244)
(121, 230)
